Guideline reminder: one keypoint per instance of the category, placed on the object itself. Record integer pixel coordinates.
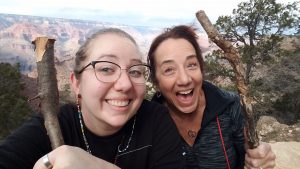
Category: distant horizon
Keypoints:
(151, 13)
(79, 19)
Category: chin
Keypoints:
(187, 110)
(117, 124)
(119, 121)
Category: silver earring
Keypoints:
(158, 94)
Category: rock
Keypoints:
(270, 129)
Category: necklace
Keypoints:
(192, 134)
(88, 149)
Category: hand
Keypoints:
(261, 157)
(68, 157)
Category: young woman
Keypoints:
(209, 119)
(111, 126)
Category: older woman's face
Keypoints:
(110, 105)
(178, 74)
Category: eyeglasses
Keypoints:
(109, 72)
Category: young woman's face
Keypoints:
(110, 105)
(178, 74)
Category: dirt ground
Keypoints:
(284, 140)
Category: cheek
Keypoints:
(94, 88)
(140, 90)
(166, 84)
(198, 77)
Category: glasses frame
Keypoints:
(93, 63)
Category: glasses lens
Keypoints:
(139, 73)
(107, 72)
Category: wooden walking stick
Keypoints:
(232, 55)
(47, 88)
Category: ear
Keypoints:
(155, 86)
(75, 83)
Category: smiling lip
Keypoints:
(185, 92)
(118, 103)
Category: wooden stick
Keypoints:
(47, 88)
(232, 55)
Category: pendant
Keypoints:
(192, 133)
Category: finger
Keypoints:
(43, 163)
(260, 152)
(252, 162)
(267, 162)
(47, 162)
(246, 166)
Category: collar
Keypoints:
(217, 100)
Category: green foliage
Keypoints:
(256, 28)
(277, 92)
(217, 67)
(150, 91)
(13, 107)
(289, 103)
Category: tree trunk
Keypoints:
(232, 55)
(47, 88)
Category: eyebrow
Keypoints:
(171, 61)
(116, 57)
(166, 62)
(107, 55)
(191, 57)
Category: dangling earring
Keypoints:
(158, 94)
(78, 102)
(88, 149)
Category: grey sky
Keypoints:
(159, 13)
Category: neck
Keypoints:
(119, 150)
(98, 127)
(191, 120)
(189, 124)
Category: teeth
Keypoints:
(185, 92)
(118, 102)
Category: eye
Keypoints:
(105, 69)
(192, 65)
(169, 71)
(135, 73)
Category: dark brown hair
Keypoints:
(177, 32)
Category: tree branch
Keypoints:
(47, 88)
(232, 55)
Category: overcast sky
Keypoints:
(158, 13)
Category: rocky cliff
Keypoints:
(18, 31)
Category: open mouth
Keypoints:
(119, 103)
(186, 93)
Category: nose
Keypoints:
(123, 83)
(183, 78)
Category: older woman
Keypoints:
(209, 119)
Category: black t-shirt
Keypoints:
(155, 142)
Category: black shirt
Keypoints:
(155, 142)
(207, 151)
